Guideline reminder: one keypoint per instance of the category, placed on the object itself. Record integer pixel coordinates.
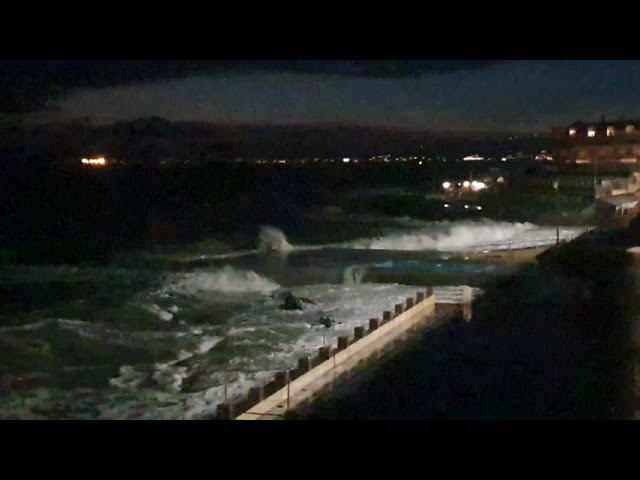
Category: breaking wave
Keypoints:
(461, 236)
(226, 280)
(272, 239)
(354, 274)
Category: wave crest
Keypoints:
(458, 236)
(272, 239)
(226, 280)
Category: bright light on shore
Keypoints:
(475, 185)
(100, 161)
(446, 185)
(346, 160)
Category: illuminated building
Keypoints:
(598, 142)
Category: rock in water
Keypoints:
(292, 302)
(326, 321)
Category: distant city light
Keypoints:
(591, 132)
(446, 185)
(446, 205)
(99, 162)
(466, 184)
(346, 160)
(475, 185)
(572, 132)
(420, 162)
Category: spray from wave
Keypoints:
(272, 239)
(462, 236)
(354, 274)
(225, 280)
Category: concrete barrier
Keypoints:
(256, 394)
(304, 365)
(303, 388)
(374, 323)
(225, 411)
(324, 353)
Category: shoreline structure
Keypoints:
(298, 387)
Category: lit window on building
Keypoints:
(611, 131)
(572, 132)
(629, 128)
(591, 132)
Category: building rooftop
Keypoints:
(603, 123)
(621, 200)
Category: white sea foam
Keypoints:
(467, 236)
(208, 343)
(128, 378)
(169, 376)
(227, 279)
(272, 239)
(156, 310)
(283, 337)
(280, 336)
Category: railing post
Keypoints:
(467, 295)
(224, 411)
(374, 323)
(324, 353)
(304, 365)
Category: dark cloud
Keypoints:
(28, 86)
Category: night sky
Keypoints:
(521, 95)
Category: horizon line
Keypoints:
(310, 125)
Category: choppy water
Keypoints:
(124, 343)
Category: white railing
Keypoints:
(453, 293)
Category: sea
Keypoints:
(133, 293)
